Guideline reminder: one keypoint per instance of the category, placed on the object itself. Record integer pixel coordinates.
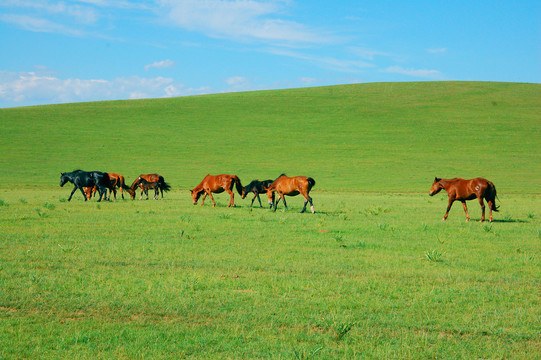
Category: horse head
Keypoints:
(63, 179)
(436, 187)
(196, 194)
(131, 192)
(244, 192)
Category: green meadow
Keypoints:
(374, 274)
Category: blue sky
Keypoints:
(70, 51)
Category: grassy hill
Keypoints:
(383, 137)
(368, 276)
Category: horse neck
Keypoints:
(199, 187)
(134, 184)
(446, 183)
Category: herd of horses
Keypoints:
(90, 182)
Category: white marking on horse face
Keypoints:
(477, 188)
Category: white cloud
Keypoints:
(38, 24)
(76, 13)
(421, 73)
(160, 64)
(335, 64)
(368, 54)
(239, 20)
(30, 88)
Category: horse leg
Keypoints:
(73, 191)
(466, 210)
(100, 190)
(451, 200)
(308, 199)
(490, 204)
(252, 204)
(231, 198)
(482, 203)
(284, 200)
(203, 198)
(211, 198)
(277, 201)
(258, 199)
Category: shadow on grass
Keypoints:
(510, 221)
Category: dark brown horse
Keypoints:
(146, 185)
(217, 184)
(258, 187)
(116, 181)
(462, 190)
(163, 186)
(292, 186)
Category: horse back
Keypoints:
(469, 189)
(293, 185)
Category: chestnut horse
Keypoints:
(292, 186)
(216, 184)
(162, 185)
(117, 181)
(258, 187)
(462, 190)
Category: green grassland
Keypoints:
(371, 137)
(374, 274)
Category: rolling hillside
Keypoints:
(382, 137)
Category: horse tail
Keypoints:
(238, 184)
(311, 183)
(121, 183)
(163, 185)
(491, 195)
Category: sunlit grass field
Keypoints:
(374, 274)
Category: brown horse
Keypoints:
(115, 181)
(462, 190)
(152, 178)
(216, 184)
(292, 186)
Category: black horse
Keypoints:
(258, 187)
(158, 186)
(82, 179)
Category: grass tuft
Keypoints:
(434, 255)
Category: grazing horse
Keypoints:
(462, 190)
(216, 184)
(292, 186)
(258, 187)
(146, 185)
(81, 179)
(163, 186)
(115, 181)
